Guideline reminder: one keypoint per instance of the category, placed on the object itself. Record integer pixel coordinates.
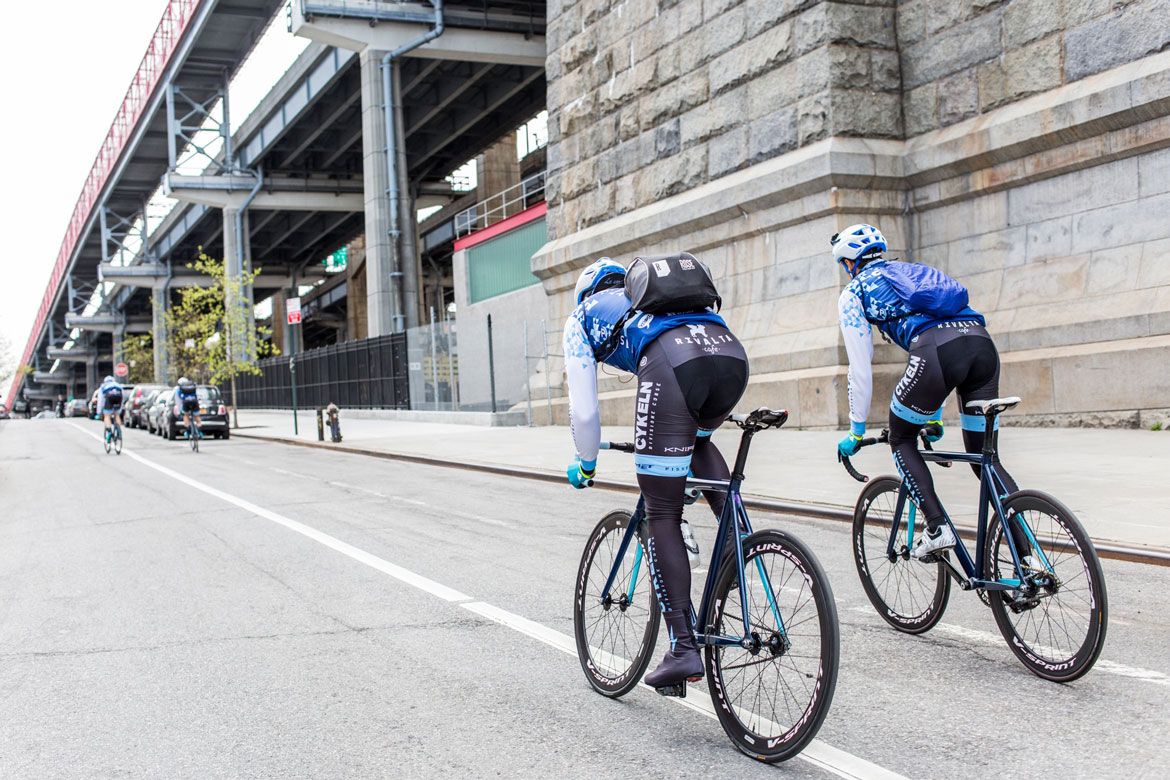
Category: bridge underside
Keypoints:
(309, 140)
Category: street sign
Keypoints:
(121, 369)
(293, 306)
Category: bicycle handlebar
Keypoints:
(758, 420)
(929, 430)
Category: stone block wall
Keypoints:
(1047, 197)
(650, 98)
(961, 58)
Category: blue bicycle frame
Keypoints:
(734, 516)
(992, 491)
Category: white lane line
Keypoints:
(455, 512)
(818, 753)
(373, 561)
(988, 638)
(296, 474)
(346, 486)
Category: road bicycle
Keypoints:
(1035, 566)
(767, 622)
(113, 437)
(193, 439)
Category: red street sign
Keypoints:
(293, 306)
(121, 369)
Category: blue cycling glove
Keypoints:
(581, 473)
(848, 447)
(930, 438)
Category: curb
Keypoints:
(1153, 556)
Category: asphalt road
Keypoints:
(264, 610)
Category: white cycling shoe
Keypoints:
(930, 544)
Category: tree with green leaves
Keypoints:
(138, 354)
(210, 341)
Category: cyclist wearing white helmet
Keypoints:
(187, 401)
(926, 313)
(691, 372)
(110, 395)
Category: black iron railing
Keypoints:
(367, 374)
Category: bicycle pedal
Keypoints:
(679, 690)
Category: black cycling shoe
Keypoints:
(682, 662)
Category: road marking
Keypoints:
(373, 561)
(817, 753)
(346, 486)
(988, 638)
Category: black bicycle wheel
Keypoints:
(118, 441)
(772, 695)
(615, 636)
(107, 441)
(909, 595)
(1055, 624)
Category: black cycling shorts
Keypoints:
(190, 405)
(951, 356)
(689, 380)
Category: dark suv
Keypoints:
(212, 413)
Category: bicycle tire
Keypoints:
(106, 442)
(118, 441)
(782, 741)
(1091, 598)
(919, 605)
(610, 672)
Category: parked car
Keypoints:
(76, 408)
(136, 405)
(93, 405)
(157, 410)
(212, 412)
(45, 414)
(144, 411)
(3, 412)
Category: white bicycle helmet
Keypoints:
(857, 241)
(601, 275)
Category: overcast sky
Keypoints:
(64, 69)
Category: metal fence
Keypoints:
(434, 366)
(367, 374)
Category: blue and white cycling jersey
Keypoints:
(111, 395)
(586, 331)
(870, 300)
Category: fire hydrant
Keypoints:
(334, 422)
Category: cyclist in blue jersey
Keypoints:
(187, 400)
(947, 351)
(691, 371)
(110, 398)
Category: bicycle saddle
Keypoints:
(993, 406)
(761, 418)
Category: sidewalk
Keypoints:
(1115, 480)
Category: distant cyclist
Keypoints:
(110, 400)
(926, 313)
(691, 371)
(187, 399)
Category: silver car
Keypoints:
(156, 414)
